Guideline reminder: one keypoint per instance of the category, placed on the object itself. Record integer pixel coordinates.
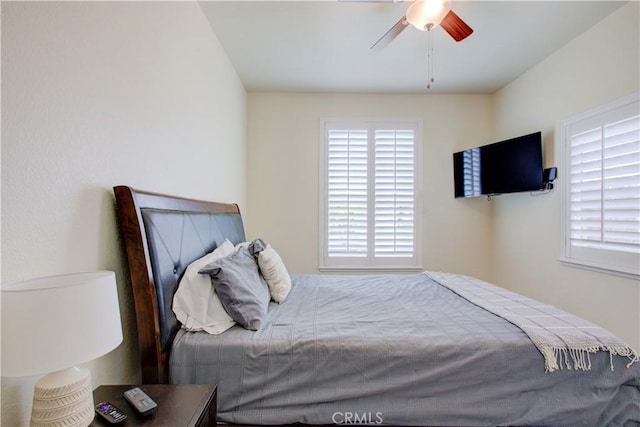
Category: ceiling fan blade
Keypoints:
(455, 26)
(391, 34)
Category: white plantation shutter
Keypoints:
(369, 194)
(394, 193)
(347, 193)
(602, 196)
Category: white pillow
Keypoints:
(196, 303)
(274, 273)
(241, 245)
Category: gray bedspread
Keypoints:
(566, 341)
(396, 350)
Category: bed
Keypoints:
(417, 349)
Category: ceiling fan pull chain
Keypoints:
(430, 78)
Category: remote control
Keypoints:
(110, 412)
(140, 401)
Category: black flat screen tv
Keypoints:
(509, 166)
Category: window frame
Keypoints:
(596, 259)
(370, 262)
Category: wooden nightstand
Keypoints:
(188, 405)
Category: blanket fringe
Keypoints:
(627, 352)
(580, 359)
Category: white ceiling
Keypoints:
(324, 46)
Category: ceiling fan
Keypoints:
(426, 15)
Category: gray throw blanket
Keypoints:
(563, 339)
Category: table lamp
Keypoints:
(50, 325)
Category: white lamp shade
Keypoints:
(57, 322)
(426, 14)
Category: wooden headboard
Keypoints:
(162, 235)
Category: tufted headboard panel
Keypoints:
(175, 240)
(162, 235)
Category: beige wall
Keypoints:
(283, 171)
(599, 67)
(95, 95)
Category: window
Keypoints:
(370, 175)
(601, 194)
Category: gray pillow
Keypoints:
(242, 292)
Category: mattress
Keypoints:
(396, 350)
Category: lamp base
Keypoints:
(63, 399)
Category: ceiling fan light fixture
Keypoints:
(426, 14)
